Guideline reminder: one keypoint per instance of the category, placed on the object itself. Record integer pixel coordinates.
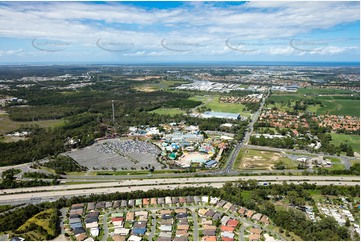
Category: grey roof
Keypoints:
(209, 232)
(221, 203)
(100, 205)
(161, 200)
(217, 216)
(116, 204)
(196, 199)
(131, 203)
(175, 200)
(221, 115)
(91, 206)
(124, 203)
(189, 199)
(108, 204)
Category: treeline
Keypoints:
(40, 175)
(63, 164)
(42, 112)
(9, 180)
(354, 170)
(47, 142)
(182, 104)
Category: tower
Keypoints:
(113, 116)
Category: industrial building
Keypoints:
(233, 116)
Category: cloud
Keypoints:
(84, 23)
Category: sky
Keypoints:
(169, 32)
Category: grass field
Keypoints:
(351, 139)
(7, 125)
(263, 160)
(168, 111)
(320, 91)
(331, 104)
(162, 84)
(41, 220)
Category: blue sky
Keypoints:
(143, 32)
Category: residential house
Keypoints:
(233, 223)
(227, 206)
(226, 228)
(129, 217)
(210, 213)
(123, 203)
(257, 216)
(224, 220)
(153, 201)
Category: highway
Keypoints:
(37, 197)
(167, 181)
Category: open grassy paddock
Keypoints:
(168, 111)
(263, 160)
(351, 139)
(7, 125)
(333, 102)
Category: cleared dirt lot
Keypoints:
(263, 160)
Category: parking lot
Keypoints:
(119, 154)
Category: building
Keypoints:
(234, 116)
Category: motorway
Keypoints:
(37, 197)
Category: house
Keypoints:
(165, 228)
(138, 202)
(255, 234)
(100, 205)
(146, 201)
(227, 206)
(74, 216)
(205, 199)
(242, 211)
(76, 225)
(183, 221)
(78, 211)
(265, 220)
(209, 232)
(90, 206)
(214, 200)
(91, 225)
(117, 215)
(196, 200)
(116, 204)
(77, 206)
(163, 239)
(227, 239)
(108, 204)
(131, 203)
(189, 199)
(181, 215)
(180, 210)
(227, 234)
(182, 200)
(143, 214)
(221, 203)
(161, 201)
(74, 220)
(181, 233)
(206, 222)
(140, 224)
(182, 227)
(121, 231)
(226, 228)
(210, 227)
(249, 213)
(165, 212)
(216, 216)
(130, 216)
(233, 223)
(209, 238)
(210, 213)
(202, 212)
(167, 216)
(79, 230)
(224, 220)
(139, 231)
(123, 203)
(175, 200)
(94, 232)
(257, 216)
(153, 201)
(134, 238)
(89, 239)
(80, 237)
(181, 238)
(168, 200)
(166, 222)
(118, 237)
(234, 208)
(165, 235)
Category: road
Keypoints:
(216, 182)
(173, 181)
(195, 225)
